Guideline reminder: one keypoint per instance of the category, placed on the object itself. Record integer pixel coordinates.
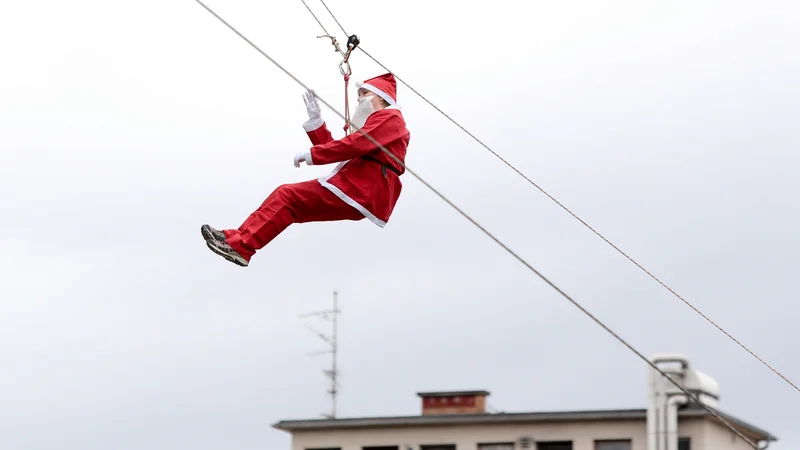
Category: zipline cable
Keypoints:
(690, 305)
(318, 21)
(490, 235)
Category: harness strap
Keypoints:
(384, 166)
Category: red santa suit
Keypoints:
(364, 183)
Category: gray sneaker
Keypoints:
(223, 249)
(210, 233)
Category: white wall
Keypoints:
(719, 437)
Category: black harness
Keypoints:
(384, 166)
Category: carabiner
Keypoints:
(344, 72)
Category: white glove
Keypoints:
(303, 157)
(312, 106)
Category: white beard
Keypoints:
(362, 112)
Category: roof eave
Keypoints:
(456, 419)
(750, 428)
(501, 418)
(452, 393)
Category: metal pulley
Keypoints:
(345, 70)
(352, 43)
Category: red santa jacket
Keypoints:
(366, 178)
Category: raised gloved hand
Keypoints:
(303, 157)
(312, 106)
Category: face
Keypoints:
(377, 102)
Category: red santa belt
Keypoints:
(384, 166)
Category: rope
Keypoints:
(573, 214)
(345, 61)
(346, 105)
(491, 236)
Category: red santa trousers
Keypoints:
(302, 202)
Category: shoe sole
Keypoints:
(230, 258)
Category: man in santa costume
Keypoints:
(364, 183)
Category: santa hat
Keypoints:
(384, 86)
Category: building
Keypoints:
(459, 421)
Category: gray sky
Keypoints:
(670, 127)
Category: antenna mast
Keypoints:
(333, 372)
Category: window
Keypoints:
(613, 445)
(564, 445)
(497, 446)
(684, 443)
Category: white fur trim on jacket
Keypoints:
(342, 196)
(313, 124)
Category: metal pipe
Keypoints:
(672, 420)
(671, 357)
(657, 410)
(652, 416)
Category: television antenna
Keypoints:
(331, 340)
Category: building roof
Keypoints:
(451, 393)
(504, 418)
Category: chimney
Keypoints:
(454, 402)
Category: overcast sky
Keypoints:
(672, 128)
